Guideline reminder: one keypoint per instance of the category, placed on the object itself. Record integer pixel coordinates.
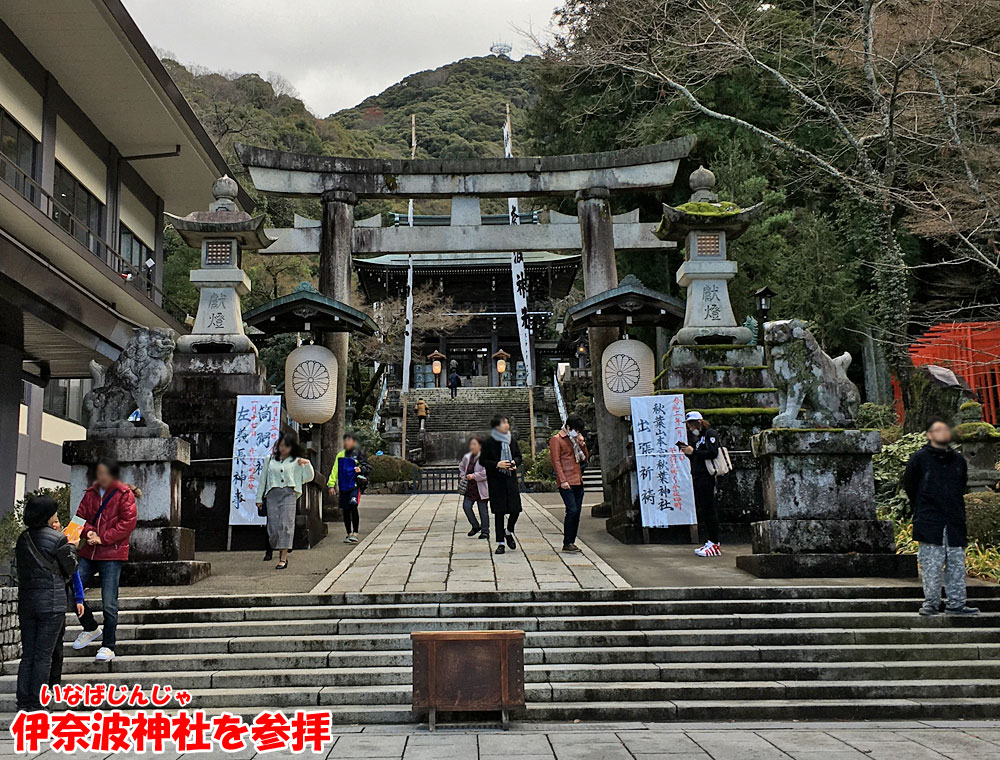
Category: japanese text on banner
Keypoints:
(258, 424)
(666, 492)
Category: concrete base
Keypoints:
(823, 536)
(161, 544)
(177, 573)
(829, 565)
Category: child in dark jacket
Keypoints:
(46, 561)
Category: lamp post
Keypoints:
(581, 355)
(501, 357)
(435, 358)
(763, 296)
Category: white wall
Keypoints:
(81, 161)
(20, 99)
(138, 218)
(58, 430)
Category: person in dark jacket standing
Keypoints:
(935, 481)
(454, 382)
(501, 458)
(46, 562)
(109, 509)
(702, 447)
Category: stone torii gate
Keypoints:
(341, 182)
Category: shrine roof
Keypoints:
(630, 303)
(306, 310)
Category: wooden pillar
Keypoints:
(335, 282)
(600, 273)
(11, 356)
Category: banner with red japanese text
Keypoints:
(666, 491)
(258, 424)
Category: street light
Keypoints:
(501, 356)
(435, 358)
(763, 296)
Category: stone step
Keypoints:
(719, 376)
(714, 397)
(530, 609)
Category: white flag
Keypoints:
(517, 274)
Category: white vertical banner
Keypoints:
(666, 489)
(258, 424)
(408, 326)
(517, 273)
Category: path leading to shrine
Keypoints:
(423, 546)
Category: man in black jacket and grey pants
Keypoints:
(935, 481)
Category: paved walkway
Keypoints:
(953, 740)
(423, 546)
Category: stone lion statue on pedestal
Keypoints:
(136, 380)
(808, 379)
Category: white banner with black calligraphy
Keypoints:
(518, 275)
(408, 326)
(258, 424)
(666, 491)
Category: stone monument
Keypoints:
(712, 360)
(818, 486)
(215, 363)
(126, 423)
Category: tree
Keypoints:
(890, 102)
(433, 314)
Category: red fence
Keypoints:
(972, 351)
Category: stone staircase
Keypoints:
(471, 411)
(682, 654)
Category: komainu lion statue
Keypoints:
(808, 379)
(136, 380)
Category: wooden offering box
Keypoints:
(467, 671)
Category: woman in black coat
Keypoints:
(46, 562)
(501, 458)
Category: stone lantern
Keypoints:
(704, 225)
(222, 233)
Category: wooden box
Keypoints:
(467, 671)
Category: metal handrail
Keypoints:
(55, 210)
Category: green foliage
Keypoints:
(538, 470)
(370, 440)
(388, 469)
(13, 522)
(889, 465)
(876, 415)
(982, 510)
(976, 431)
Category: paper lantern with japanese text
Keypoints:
(627, 370)
(311, 384)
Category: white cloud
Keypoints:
(334, 52)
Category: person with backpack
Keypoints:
(568, 453)
(702, 449)
(349, 478)
(109, 513)
(46, 561)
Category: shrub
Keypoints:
(370, 440)
(876, 416)
(539, 467)
(13, 522)
(983, 514)
(387, 469)
(890, 463)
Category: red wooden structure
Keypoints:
(972, 351)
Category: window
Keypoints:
(64, 398)
(17, 147)
(79, 212)
(133, 251)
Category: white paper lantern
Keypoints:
(436, 367)
(311, 384)
(627, 370)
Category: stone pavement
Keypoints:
(946, 740)
(423, 546)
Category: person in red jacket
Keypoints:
(108, 507)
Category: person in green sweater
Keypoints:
(280, 487)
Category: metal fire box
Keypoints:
(467, 671)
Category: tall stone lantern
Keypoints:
(222, 233)
(704, 225)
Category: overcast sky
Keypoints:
(336, 52)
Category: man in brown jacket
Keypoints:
(568, 451)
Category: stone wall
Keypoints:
(10, 634)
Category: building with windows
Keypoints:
(96, 143)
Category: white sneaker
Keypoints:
(710, 549)
(86, 638)
(105, 655)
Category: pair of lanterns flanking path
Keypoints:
(311, 384)
(627, 370)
